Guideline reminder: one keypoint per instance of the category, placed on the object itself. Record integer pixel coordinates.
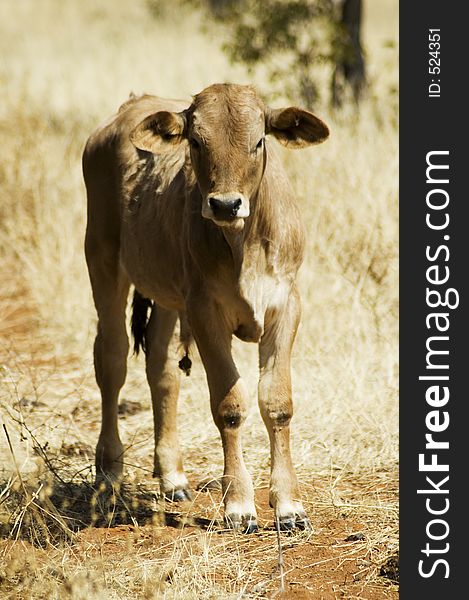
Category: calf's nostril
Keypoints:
(214, 204)
(236, 206)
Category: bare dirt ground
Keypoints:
(60, 537)
(330, 563)
(342, 558)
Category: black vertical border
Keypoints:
(428, 124)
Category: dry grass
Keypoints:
(66, 67)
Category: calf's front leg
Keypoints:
(228, 400)
(275, 402)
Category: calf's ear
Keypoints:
(159, 132)
(294, 127)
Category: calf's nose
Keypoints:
(225, 208)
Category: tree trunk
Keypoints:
(350, 68)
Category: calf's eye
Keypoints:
(259, 146)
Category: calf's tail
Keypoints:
(139, 321)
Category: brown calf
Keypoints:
(190, 204)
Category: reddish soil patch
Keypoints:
(340, 559)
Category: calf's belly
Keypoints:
(156, 273)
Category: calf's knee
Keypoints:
(280, 418)
(231, 416)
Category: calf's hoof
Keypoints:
(181, 495)
(294, 522)
(242, 523)
(109, 461)
(109, 478)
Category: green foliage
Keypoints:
(287, 38)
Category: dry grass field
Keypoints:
(66, 66)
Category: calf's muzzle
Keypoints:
(226, 206)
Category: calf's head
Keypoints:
(225, 127)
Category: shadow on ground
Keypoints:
(55, 510)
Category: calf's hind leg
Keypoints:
(110, 290)
(163, 377)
